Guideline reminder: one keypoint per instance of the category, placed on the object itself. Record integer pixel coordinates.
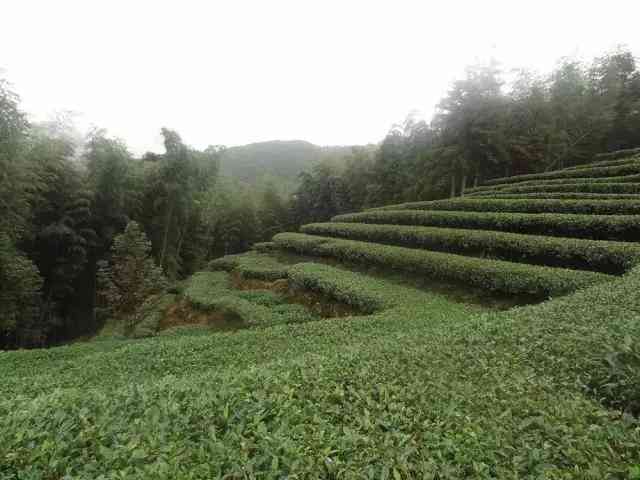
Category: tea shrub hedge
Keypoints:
(422, 389)
(212, 292)
(597, 227)
(533, 205)
(628, 154)
(150, 314)
(251, 265)
(584, 187)
(263, 247)
(556, 181)
(568, 196)
(630, 168)
(498, 275)
(609, 257)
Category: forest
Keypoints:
(65, 202)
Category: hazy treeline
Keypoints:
(62, 202)
(487, 127)
(63, 199)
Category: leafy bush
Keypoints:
(422, 388)
(613, 158)
(568, 196)
(557, 181)
(265, 298)
(599, 207)
(609, 257)
(592, 172)
(617, 381)
(263, 247)
(251, 265)
(597, 227)
(212, 292)
(146, 321)
(586, 187)
(203, 286)
(495, 275)
(20, 285)
(131, 276)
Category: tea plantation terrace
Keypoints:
(414, 381)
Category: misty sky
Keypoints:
(233, 72)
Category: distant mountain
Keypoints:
(278, 162)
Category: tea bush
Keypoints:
(585, 187)
(263, 247)
(422, 388)
(609, 257)
(147, 318)
(627, 168)
(212, 292)
(596, 227)
(557, 181)
(568, 196)
(534, 205)
(495, 275)
(251, 265)
(616, 157)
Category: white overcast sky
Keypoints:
(239, 71)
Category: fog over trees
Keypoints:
(64, 199)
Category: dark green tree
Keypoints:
(129, 276)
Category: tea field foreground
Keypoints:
(405, 381)
(424, 388)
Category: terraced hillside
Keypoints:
(370, 347)
(537, 246)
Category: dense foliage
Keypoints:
(130, 276)
(422, 388)
(544, 205)
(610, 257)
(486, 127)
(498, 275)
(64, 199)
(597, 227)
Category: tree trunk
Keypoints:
(165, 240)
(453, 186)
(476, 180)
(463, 184)
(180, 239)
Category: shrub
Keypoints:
(205, 286)
(422, 387)
(567, 196)
(609, 257)
(146, 321)
(212, 292)
(251, 265)
(597, 227)
(556, 181)
(610, 158)
(20, 285)
(630, 168)
(495, 275)
(263, 247)
(586, 187)
(616, 380)
(534, 205)
(131, 275)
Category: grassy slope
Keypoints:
(420, 389)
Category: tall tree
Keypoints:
(130, 276)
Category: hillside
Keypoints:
(277, 161)
(486, 336)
